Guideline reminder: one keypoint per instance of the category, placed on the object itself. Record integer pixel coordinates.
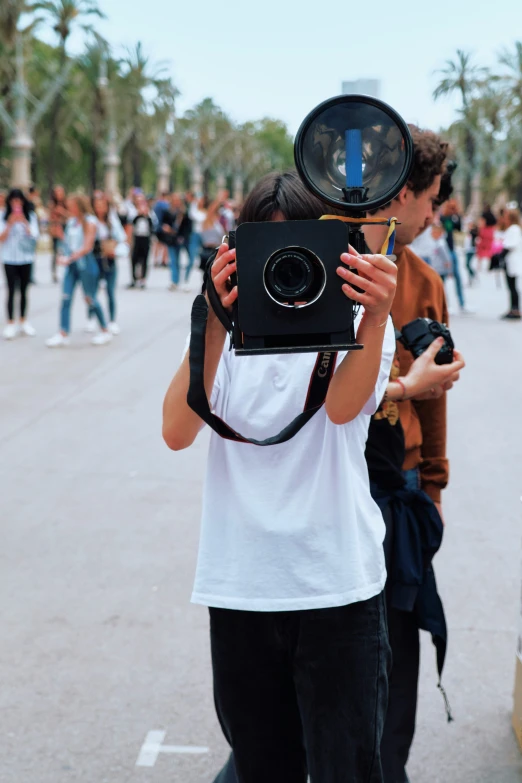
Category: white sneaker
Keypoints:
(10, 331)
(173, 287)
(27, 329)
(114, 328)
(186, 288)
(101, 338)
(57, 341)
(90, 326)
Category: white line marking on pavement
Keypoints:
(153, 746)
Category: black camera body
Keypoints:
(419, 334)
(290, 298)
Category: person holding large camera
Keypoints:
(291, 562)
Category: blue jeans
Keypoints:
(174, 263)
(86, 272)
(412, 478)
(193, 246)
(109, 273)
(456, 276)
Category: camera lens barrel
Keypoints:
(294, 276)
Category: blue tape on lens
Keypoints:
(354, 171)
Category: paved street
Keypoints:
(99, 530)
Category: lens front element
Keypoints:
(294, 277)
(354, 152)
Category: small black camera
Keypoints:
(419, 335)
(355, 153)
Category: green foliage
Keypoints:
(129, 101)
(487, 135)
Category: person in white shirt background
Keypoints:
(18, 234)
(80, 236)
(512, 241)
(291, 561)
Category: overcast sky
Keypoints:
(282, 57)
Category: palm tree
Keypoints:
(138, 74)
(461, 76)
(11, 17)
(511, 79)
(64, 15)
(95, 66)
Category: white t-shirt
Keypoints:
(422, 245)
(513, 242)
(112, 231)
(197, 216)
(292, 526)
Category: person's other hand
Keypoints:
(224, 265)
(427, 380)
(378, 280)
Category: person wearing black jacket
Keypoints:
(175, 232)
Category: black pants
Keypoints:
(513, 292)
(302, 692)
(17, 276)
(399, 725)
(140, 258)
(404, 636)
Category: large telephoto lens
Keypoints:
(294, 277)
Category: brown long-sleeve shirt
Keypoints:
(420, 294)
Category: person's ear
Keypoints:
(404, 196)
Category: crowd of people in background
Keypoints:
(492, 242)
(90, 236)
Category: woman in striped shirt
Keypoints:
(18, 235)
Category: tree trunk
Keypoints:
(470, 170)
(518, 193)
(136, 161)
(55, 112)
(96, 127)
(34, 165)
(206, 183)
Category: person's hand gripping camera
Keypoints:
(373, 287)
(376, 281)
(223, 267)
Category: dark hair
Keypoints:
(27, 207)
(100, 196)
(284, 193)
(54, 198)
(446, 183)
(429, 159)
(488, 217)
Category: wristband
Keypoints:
(375, 326)
(403, 387)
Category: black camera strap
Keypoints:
(197, 396)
